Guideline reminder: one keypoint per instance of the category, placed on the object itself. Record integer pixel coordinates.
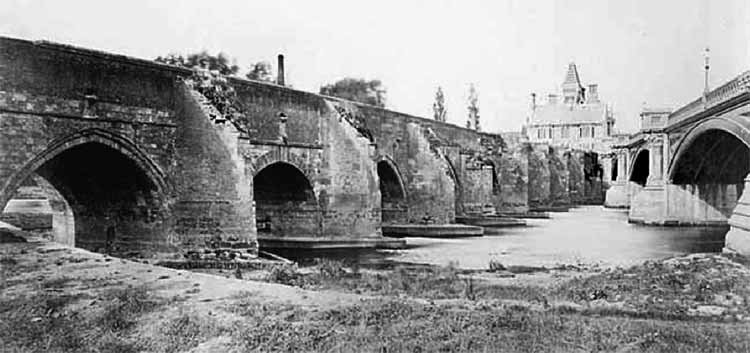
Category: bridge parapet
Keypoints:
(736, 87)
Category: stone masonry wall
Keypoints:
(514, 181)
(261, 104)
(559, 187)
(431, 188)
(352, 199)
(539, 176)
(576, 183)
(53, 93)
(214, 205)
(459, 148)
(200, 172)
(333, 156)
(290, 220)
(423, 165)
(478, 189)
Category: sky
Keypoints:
(640, 52)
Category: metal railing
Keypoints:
(723, 93)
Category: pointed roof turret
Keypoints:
(573, 92)
(572, 78)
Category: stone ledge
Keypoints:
(271, 242)
(491, 221)
(551, 208)
(529, 214)
(432, 230)
(676, 223)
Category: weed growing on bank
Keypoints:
(712, 287)
(47, 322)
(429, 282)
(389, 325)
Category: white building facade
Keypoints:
(579, 120)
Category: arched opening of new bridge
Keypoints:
(704, 178)
(614, 170)
(639, 175)
(698, 166)
(706, 175)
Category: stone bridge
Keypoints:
(693, 169)
(129, 155)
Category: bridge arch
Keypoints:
(714, 151)
(494, 175)
(393, 199)
(116, 192)
(387, 164)
(640, 169)
(278, 155)
(614, 165)
(285, 200)
(119, 143)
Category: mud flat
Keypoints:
(55, 298)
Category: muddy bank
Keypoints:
(77, 301)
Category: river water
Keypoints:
(587, 235)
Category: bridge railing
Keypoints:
(723, 93)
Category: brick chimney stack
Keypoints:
(592, 95)
(280, 70)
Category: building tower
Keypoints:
(573, 91)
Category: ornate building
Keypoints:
(580, 120)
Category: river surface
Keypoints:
(586, 235)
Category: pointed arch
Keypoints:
(117, 142)
(387, 160)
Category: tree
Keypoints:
(219, 62)
(439, 106)
(358, 90)
(260, 71)
(473, 108)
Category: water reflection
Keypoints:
(585, 235)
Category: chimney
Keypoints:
(552, 98)
(593, 94)
(533, 101)
(280, 72)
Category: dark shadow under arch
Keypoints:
(711, 166)
(640, 169)
(732, 125)
(114, 191)
(614, 171)
(285, 203)
(392, 193)
(713, 157)
(495, 179)
(116, 142)
(457, 190)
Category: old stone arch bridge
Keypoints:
(126, 153)
(694, 170)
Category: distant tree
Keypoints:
(472, 120)
(260, 71)
(220, 62)
(439, 106)
(358, 90)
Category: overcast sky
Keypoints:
(638, 51)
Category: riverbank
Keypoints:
(59, 299)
